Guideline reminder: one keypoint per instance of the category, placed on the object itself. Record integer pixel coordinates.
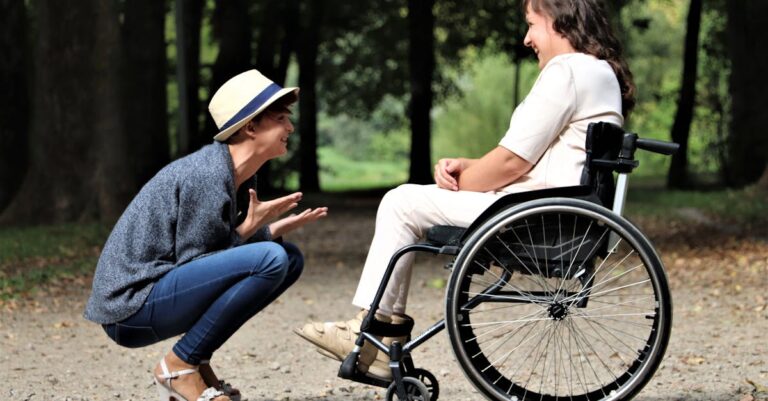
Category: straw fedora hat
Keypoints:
(241, 98)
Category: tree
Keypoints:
(307, 53)
(144, 88)
(763, 182)
(232, 31)
(678, 170)
(273, 34)
(75, 165)
(421, 60)
(192, 19)
(747, 142)
(14, 104)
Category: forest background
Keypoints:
(98, 95)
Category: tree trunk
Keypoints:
(270, 30)
(14, 103)
(291, 27)
(144, 86)
(269, 34)
(762, 183)
(747, 142)
(677, 176)
(307, 53)
(232, 29)
(193, 19)
(421, 60)
(75, 109)
(613, 8)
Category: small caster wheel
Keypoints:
(414, 389)
(429, 380)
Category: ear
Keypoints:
(251, 128)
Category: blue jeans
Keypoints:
(208, 299)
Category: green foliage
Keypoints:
(655, 57)
(341, 173)
(382, 136)
(32, 256)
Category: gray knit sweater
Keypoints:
(188, 210)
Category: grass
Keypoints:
(747, 206)
(340, 173)
(31, 256)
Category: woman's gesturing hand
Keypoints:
(294, 221)
(447, 172)
(260, 213)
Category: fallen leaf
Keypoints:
(693, 360)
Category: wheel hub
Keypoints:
(558, 311)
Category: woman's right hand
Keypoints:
(260, 213)
(447, 172)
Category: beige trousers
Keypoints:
(404, 216)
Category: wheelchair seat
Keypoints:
(454, 236)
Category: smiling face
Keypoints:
(273, 128)
(542, 37)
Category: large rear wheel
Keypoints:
(558, 299)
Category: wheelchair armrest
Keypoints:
(445, 235)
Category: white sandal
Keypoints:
(225, 387)
(167, 393)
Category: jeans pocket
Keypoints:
(131, 336)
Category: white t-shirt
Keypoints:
(549, 128)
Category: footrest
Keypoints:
(445, 235)
(379, 328)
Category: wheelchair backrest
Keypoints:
(604, 142)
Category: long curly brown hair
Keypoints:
(585, 24)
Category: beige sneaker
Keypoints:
(337, 339)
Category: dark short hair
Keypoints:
(282, 104)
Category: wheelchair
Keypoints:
(552, 293)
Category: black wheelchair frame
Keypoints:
(552, 275)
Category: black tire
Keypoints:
(429, 380)
(542, 304)
(415, 390)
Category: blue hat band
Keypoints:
(253, 105)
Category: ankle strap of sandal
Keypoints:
(209, 394)
(173, 375)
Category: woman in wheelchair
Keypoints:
(583, 79)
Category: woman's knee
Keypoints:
(400, 200)
(406, 203)
(295, 260)
(272, 260)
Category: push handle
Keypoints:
(653, 145)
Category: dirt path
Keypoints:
(718, 349)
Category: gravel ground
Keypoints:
(718, 350)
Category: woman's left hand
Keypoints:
(261, 212)
(294, 221)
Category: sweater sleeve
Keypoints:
(544, 113)
(204, 216)
(243, 199)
